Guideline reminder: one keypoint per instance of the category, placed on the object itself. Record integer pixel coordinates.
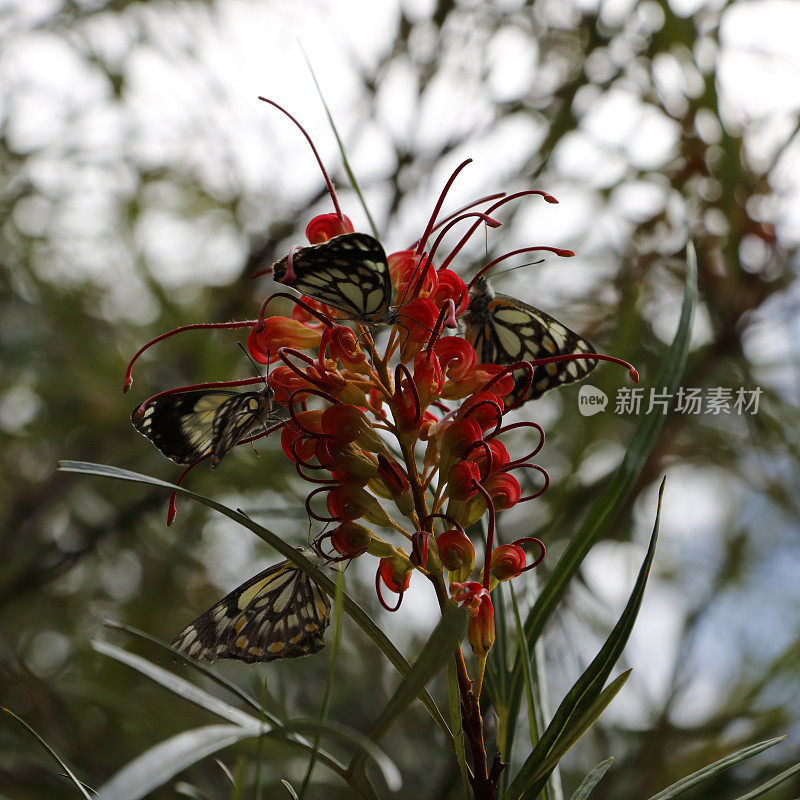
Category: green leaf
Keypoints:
(771, 784)
(582, 698)
(442, 642)
(704, 774)
(614, 495)
(591, 780)
(361, 618)
(329, 683)
(200, 697)
(390, 772)
(196, 665)
(454, 702)
(181, 687)
(161, 763)
(56, 757)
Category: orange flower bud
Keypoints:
(504, 490)
(265, 338)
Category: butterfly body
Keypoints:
(504, 330)
(348, 272)
(279, 613)
(188, 425)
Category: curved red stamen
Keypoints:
(457, 213)
(331, 191)
(515, 425)
(489, 458)
(172, 509)
(559, 251)
(542, 470)
(284, 352)
(438, 207)
(487, 567)
(482, 217)
(311, 513)
(495, 407)
(448, 519)
(380, 595)
(128, 382)
(503, 200)
(194, 386)
(400, 370)
(258, 325)
(542, 551)
(329, 558)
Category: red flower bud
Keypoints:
(406, 273)
(349, 502)
(456, 440)
(457, 553)
(504, 490)
(475, 599)
(508, 560)
(350, 539)
(326, 226)
(417, 319)
(347, 423)
(395, 572)
(451, 287)
(461, 480)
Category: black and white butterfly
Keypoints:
(348, 272)
(188, 425)
(279, 613)
(503, 330)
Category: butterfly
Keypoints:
(503, 330)
(188, 425)
(349, 272)
(279, 613)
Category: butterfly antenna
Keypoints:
(264, 378)
(519, 266)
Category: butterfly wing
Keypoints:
(279, 613)
(349, 272)
(187, 425)
(503, 330)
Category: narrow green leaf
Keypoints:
(771, 784)
(614, 495)
(290, 789)
(181, 687)
(78, 784)
(679, 787)
(326, 700)
(359, 616)
(582, 696)
(390, 772)
(454, 703)
(196, 665)
(440, 646)
(531, 694)
(200, 697)
(591, 780)
(579, 726)
(164, 761)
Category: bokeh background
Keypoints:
(142, 184)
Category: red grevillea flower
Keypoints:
(406, 431)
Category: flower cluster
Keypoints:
(392, 417)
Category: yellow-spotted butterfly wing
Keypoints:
(279, 613)
(503, 330)
(188, 425)
(348, 272)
